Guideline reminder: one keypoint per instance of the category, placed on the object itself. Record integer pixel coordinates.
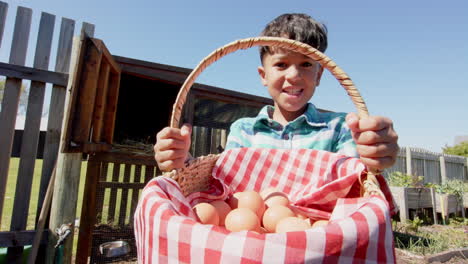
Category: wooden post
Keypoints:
(409, 169)
(466, 170)
(434, 205)
(67, 179)
(443, 171)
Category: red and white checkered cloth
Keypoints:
(324, 185)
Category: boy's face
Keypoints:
(291, 79)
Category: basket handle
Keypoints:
(285, 43)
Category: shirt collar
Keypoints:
(311, 116)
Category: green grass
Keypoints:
(11, 189)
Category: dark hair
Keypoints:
(300, 27)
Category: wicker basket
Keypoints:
(196, 175)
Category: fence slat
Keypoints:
(135, 191)
(3, 15)
(100, 192)
(11, 96)
(30, 140)
(113, 194)
(57, 103)
(124, 198)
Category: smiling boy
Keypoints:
(293, 122)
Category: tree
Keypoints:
(459, 149)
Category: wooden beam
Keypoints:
(67, 180)
(100, 103)
(33, 74)
(83, 115)
(111, 108)
(88, 210)
(57, 102)
(107, 55)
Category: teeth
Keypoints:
(294, 91)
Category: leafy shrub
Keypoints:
(400, 179)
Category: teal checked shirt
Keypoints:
(312, 130)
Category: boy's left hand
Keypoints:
(376, 140)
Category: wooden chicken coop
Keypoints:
(119, 106)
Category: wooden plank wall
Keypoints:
(15, 71)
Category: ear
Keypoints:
(261, 72)
(319, 75)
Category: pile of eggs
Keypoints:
(266, 212)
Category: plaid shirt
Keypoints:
(312, 130)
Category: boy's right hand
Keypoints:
(172, 147)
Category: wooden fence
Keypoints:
(434, 167)
(15, 72)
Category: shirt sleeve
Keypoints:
(237, 137)
(345, 144)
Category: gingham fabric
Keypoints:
(320, 183)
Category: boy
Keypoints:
(291, 79)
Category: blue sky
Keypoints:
(409, 59)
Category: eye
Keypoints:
(307, 64)
(280, 65)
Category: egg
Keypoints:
(242, 219)
(253, 201)
(223, 209)
(320, 223)
(273, 215)
(290, 224)
(234, 200)
(206, 213)
(276, 198)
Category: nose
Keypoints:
(293, 73)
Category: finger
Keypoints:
(186, 130)
(171, 164)
(387, 135)
(374, 123)
(166, 144)
(169, 132)
(378, 150)
(171, 154)
(378, 163)
(352, 120)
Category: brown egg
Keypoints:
(273, 215)
(276, 198)
(290, 224)
(234, 200)
(206, 214)
(223, 209)
(242, 219)
(253, 201)
(320, 223)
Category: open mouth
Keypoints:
(293, 92)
